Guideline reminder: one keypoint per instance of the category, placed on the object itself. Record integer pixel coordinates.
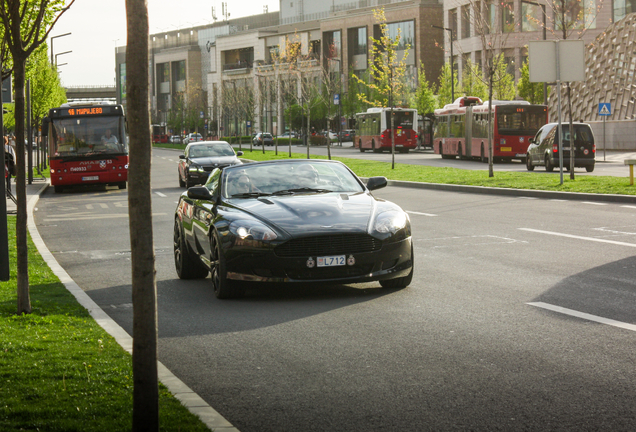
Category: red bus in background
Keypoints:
(461, 128)
(373, 129)
(159, 134)
(87, 145)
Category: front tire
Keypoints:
(122, 185)
(529, 165)
(184, 260)
(223, 288)
(589, 168)
(548, 164)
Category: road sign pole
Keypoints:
(604, 117)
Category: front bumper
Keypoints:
(392, 261)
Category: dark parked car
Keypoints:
(347, 135)
(544, 147)
(263, 138)
(201, 158)
(291, 221)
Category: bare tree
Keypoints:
(144, 287)
(25, 29)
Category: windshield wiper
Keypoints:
(304, 189)
(250, 195)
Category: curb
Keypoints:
(188, 398)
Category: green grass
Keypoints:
(501, 179)
(59, 370)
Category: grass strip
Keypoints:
(59, 370)
(444, 175)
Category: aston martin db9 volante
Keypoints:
(201, 158)
(292, 222)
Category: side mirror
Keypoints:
(239, 153)
(376, 183)
(181, 156)
(199, 193)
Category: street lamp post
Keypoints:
(542, 6)
(339, 102)
(62, 53)
(55, 37)
(451, 60)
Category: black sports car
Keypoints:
(291, 221)
(201, 158)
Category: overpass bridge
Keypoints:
(81, 93)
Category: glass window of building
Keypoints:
(452, 22)
(622, 8)
(575, 14)
(333, 44)
(406, 31)
(531, 17)
(466, 21)
(360, 41)
(508, 17)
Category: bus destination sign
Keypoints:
(87, 111)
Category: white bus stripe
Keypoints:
(584, 315)
(579, 237)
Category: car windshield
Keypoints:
(251, 181)
(210, 150)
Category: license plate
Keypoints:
(331, 261)
(90, 178)
(506, 148)
(566, 148)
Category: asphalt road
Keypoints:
(608, 163)
(489, 336)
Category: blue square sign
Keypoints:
(604, 109)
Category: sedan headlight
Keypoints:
(196, 168)
(390, 221)
(252, 230)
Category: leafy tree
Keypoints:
(25, 25)
(445, 93)
(144, 288)
(472, 81)
(46, 89)
(504, 82)
(425, 100)
(387, 72)
(530, 91)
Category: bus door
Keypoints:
(468, 120)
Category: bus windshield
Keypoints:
(88, 136)
(520, 120)
(403, 119)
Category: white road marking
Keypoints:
(422, 214)
(594, 203)
(628, 206)
(112, 216)
(584, 315)
(161, 195)
(579, 237)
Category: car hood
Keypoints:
(308, 214)
(212, 160)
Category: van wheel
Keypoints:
(548, 164)
(589, 168)
(529, 164)
(360, 146)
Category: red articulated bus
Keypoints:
(87, 145)
(461, 128)
(373, 129)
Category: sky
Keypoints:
(97, 27)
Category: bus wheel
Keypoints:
(360, 145)
(548, 164)
(58, 189)
(375, 150)
(122, 185)
(459, 151)
(483, 157)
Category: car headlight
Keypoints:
(252, 230)
(196, 168)
(390, 221)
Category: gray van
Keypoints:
(544, 147)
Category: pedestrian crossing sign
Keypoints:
(604, 109)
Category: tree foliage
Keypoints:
(530, 91)
(503, 82)
(425, 100)
(445, 89)
(387, 72)
(46, 89)
(472, 81)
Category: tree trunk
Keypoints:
(146, 392)
(24, 301)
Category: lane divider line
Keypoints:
(583, 315)
(579, 237)
(421, 214)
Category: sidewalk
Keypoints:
(34, 189)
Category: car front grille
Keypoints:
(328, 245)
(212, 168)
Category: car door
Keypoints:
(204, 214)
(533, 147)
